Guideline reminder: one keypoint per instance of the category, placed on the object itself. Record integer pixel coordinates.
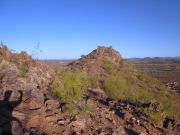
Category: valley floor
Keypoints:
(167, 72)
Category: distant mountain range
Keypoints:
(156, 59)
(144, 60)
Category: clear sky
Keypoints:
(69, 28)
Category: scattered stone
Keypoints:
(167, 122)
(154, 105)
(173, 86)
(131, 132)
(143, 134)
(49, 112)
(52, 104)
(120, 131)
(63, 107)
(61, 122)
(109, 131)
(34, 104)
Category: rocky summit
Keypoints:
(102, 53)
(36, 100)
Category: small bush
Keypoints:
(115, 87)
(75, 84)
(109, 66)
(56, 91)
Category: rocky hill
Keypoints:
(25, 93)
(102, 53)
(99, 94)
(92, 63)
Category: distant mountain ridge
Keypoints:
(156, 59)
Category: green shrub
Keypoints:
(56, 91)
(75, 84)
(109, 66)
(115, 87)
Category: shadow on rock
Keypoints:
(9, 124)
(131, 132)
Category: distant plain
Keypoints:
(164, 69)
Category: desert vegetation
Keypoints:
(122, 81)
(75, 84)
(138, 90)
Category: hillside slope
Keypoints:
(25, 98)
(122, 81)
(101, 93)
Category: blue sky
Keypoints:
(68, 28)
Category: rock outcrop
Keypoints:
(24, 82)
(92, 63)
(104, 53)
